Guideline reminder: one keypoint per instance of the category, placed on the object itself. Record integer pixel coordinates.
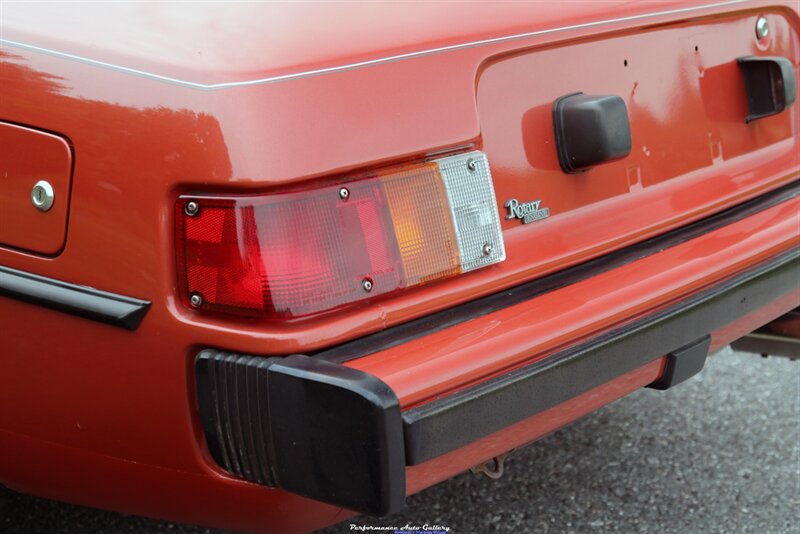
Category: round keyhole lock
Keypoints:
(762, 28)
(43, 195)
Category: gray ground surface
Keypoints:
(720, 453)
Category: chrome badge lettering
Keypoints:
(527, 211)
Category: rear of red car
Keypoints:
(261, 271)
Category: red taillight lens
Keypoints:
(292, 254)
(222, 256)
(295, 254)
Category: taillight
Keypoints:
(295, 254)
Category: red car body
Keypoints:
(129, 107)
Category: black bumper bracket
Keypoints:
(683, 364)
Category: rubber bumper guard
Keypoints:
(312, 427)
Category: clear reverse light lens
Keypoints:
(468, 182)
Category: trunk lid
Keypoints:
(686, 100)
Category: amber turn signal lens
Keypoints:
(423, 227)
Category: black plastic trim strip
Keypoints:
(89, 303)
(435, 322)
(444, 425)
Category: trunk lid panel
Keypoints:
(686, 102)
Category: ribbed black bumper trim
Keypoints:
(311, 427)
(117, 310)
(444, 425)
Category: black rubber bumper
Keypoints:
(337, 435)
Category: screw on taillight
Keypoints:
(192, 208)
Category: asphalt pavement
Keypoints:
(720, 453)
